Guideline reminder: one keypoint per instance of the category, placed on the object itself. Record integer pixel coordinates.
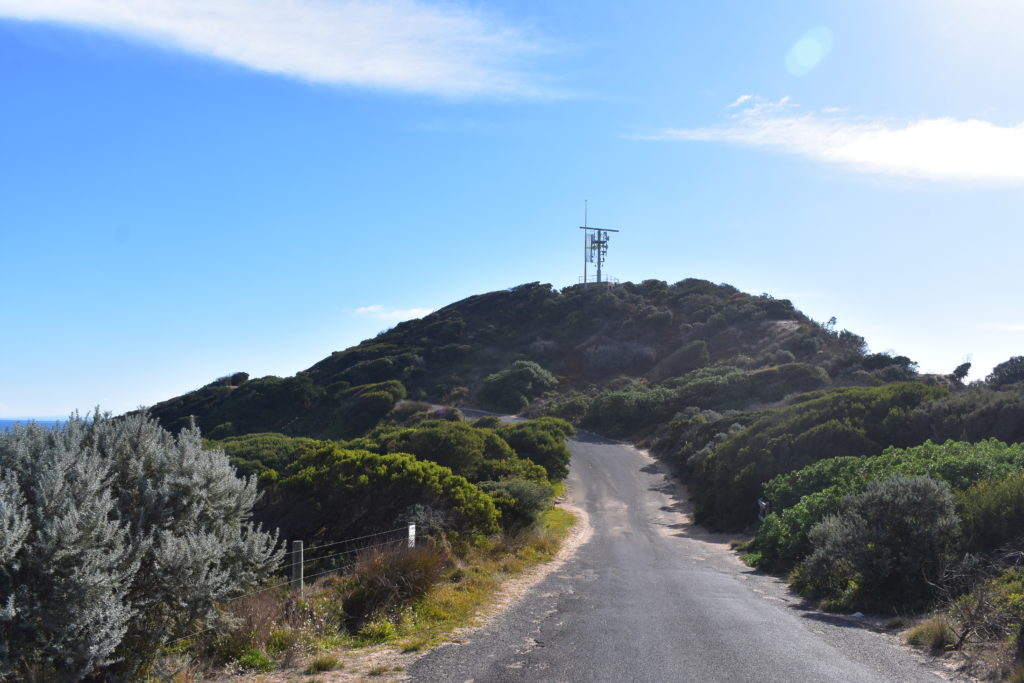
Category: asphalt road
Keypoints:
(651, 598)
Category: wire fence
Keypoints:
(303, 564)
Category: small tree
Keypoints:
(960, 371)
(1007, 372)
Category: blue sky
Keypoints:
(196, 187)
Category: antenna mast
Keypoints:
(595, 248)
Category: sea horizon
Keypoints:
(8, 422)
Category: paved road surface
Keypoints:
(649, 598)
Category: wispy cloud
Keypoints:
(392, 314)
(936, 149)
(739, 100)
(1006, 327)
(404, 45)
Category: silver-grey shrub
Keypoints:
(117, 536)
(884, 546)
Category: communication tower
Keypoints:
(595, 248)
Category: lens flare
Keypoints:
(809, 51)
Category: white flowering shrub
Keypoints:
(116, 536)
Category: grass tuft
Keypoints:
(324, 663)
(932, 634)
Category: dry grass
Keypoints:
(933, 634)
(411, 600)
(470, 587)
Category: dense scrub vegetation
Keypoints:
(853, 421)
(744, 395)
(119, 538)
(431, 471)
(508, 348)
(115, 538)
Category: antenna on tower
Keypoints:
(595, 248)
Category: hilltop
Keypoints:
(588, 337)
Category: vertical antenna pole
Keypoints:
(586, 255)
(595, 246)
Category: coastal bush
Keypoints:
(993, 513)
(850, 421)
(334, 493)
(117, 537)
(543, 442)
(520, 501)
(456, 445)
(514, 387)
(986, 478)
(254, 454)
(625, 412)
(881, 544)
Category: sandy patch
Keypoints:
(514, 589)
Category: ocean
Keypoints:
(7, 424)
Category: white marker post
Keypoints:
(297, 562)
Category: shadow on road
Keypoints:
(584, 436)
(680, 507)
(808, 610)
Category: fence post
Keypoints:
(297, 561)
(412, 535)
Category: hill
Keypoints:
(751, 349)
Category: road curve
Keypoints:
(651, 598)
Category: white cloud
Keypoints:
(739, 100)
(392, 314)
(398, 44)
(936, 149)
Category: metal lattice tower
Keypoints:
(595, 248)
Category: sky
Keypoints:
(191, 188)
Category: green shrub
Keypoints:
(322, 664)
(625, 412)
(542, 441)
(985, 604)
(520, 501)
(512, 468)
(883, 544)
(852, 421)
(255, 660)
(513, 388)
(334, 493)
(991, 507)
(259, 453)
(572, 408)
(456, 445)
(992, 513)
(783, 539)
